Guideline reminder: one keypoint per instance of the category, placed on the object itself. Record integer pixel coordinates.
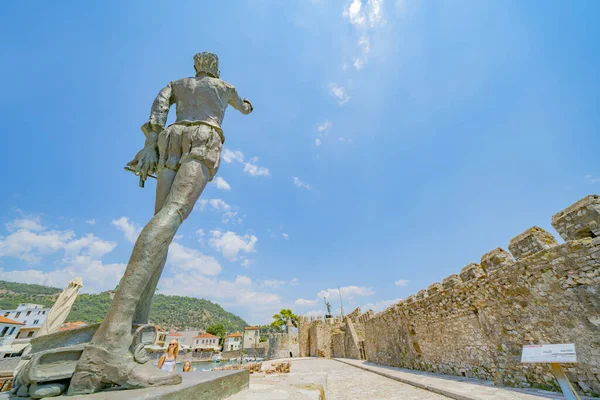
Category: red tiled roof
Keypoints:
(206, 336)
(4, 320)
(251, 328)
(237, 334)
(174, 334)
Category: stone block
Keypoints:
(434, 288)
(54, 364)
(471, 271)
(206, 385)
(451, 281)
(496, 259)
(411, 299)
(532, 241)
(580, 220)
(421, 294)
(39, 391)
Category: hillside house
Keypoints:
(206, 341)
(233, 342)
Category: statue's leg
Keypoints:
(107, 358)
(166, 177)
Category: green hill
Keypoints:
(167, 311)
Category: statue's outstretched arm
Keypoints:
(146, 160)
(159, 111)
(242, 105)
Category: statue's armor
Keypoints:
(197, 133)
(198, 100)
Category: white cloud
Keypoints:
(374, 12)
(246, 263)
(241, 296)
(90, 246)
(222, 183)
(129, 229)
(29, 246)
(230, 156)
(228, 213)
(324, 126)
(91, 221)
(347, 292)
(273, 283)
(357, 15)
(81, 257)
(219, 205)
(285, 235)
(380, 305)
(254, 170)
(358, 63)
(345, 140)
(250, 167)
(364, 46)
(185, 259)
(304, 302)
(301, 184)
(322, 129)
(29, 223)
(401, 282)
(339, 93)
(354, 13)
(231, 244)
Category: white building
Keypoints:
(251, 337)
(206, 341)
(32, 316)
(9, 329)
(233, 342)
(186, 339)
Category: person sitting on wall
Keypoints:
(168, 361)
(187, 366)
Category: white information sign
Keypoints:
(549, 353)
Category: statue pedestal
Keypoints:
(209, 385)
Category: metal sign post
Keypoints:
(554, 354)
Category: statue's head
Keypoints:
(207, 62)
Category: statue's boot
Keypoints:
(99, 367)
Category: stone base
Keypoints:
(209, 385)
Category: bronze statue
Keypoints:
(185, 157)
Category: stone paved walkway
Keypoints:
(453, 387)
(343, 382)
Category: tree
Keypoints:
(267, 329)
(281, 319)
(217, 330)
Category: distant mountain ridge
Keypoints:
(168, 312)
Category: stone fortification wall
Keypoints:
(282, 345)
(475, 323)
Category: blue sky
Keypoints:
(393, 141)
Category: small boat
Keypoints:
(217, 359)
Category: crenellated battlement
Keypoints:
(580, 220)
(475, 322)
